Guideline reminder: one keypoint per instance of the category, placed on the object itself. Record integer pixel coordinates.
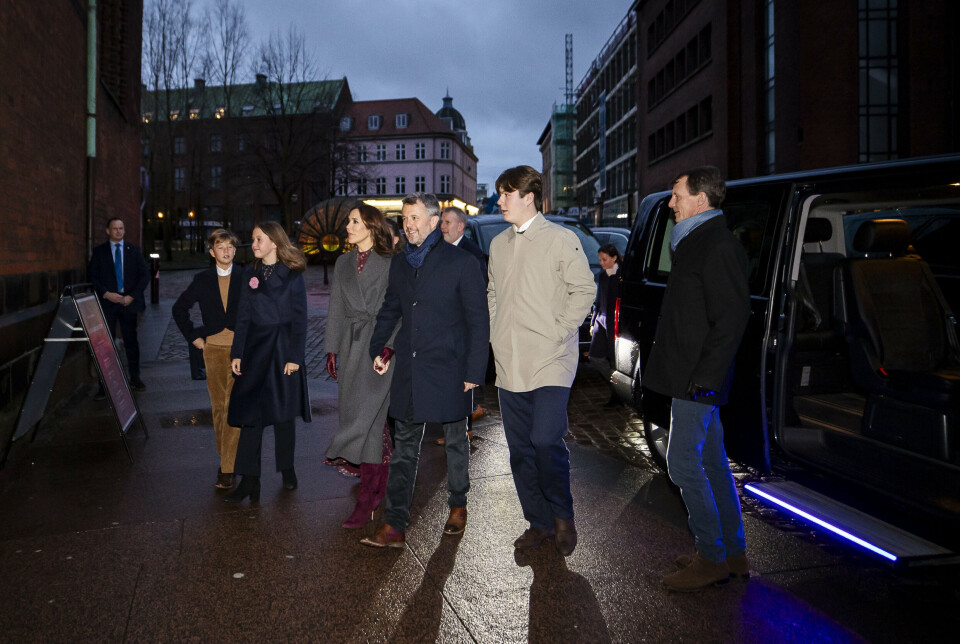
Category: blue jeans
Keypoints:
(698, 465)
(535, 423)
(403, 468)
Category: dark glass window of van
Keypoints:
(750, 222)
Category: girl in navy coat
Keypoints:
(267, 358)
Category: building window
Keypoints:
(174, 115)
(381, 185)
(401, 152)
(179, 145)
(221, 112)
(346, 123)
(878, 76)
(362, 154)
(216, 143)
(374, 121)
(216, 177)
(444, 183)
(247, 110)
(661, 26)
(147, 117)
(241, 143)
(145, 147)
(420, 183)
(445, 149)
(341, 187)
(361, 186)
(401, 121)
(421, 151)
(194, 113)
(179, 179)
(401, 186)
(381, 152)
(687, 62)
(689, 127)
(769, 108)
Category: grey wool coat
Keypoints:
(364, 396)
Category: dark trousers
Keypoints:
(535, 423)
(251, 440)
(403, 468)
(126, 319)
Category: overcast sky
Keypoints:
(503, 60)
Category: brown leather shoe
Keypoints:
(532, 537)
(386, 536)
(457, 521)
(700, 574)
(225, 481)
(478, 413)
(443, 441)
(738, 565)
(565, 536)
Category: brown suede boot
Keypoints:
(700, 574)
(738, 565)
(386, 536)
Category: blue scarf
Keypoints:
(687, 226)
(416, 254)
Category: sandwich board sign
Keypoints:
(85, 308)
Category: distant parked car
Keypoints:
(611, 235)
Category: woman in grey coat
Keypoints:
(359, 284)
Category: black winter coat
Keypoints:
(205, 290)
(703, 315)
(444, 337)
(271, 331)
(601, 326)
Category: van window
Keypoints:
(748, 212)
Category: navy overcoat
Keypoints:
(444, 335)
(271, 331)
(136, 276)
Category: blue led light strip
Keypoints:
(820, 522)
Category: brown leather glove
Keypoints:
(332, 365)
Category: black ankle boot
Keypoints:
(249, 486)
(289, 479)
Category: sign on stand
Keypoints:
(85, 308)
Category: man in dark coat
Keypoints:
(436, 292)
(119, 275)
(217, 291)
(702, 319)
(453, 223)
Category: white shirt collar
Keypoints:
(223, 272)
(526, 224)
(457, 243)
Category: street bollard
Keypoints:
(155, 279)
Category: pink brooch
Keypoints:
(254, 282)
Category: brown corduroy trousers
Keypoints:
(216, 358)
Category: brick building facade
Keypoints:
(54, 201)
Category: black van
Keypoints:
(848, 376)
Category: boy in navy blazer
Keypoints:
(217, 291)
(119, 275)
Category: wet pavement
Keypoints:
(93, 548)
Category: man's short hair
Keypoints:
(705, 179)
(222, 235)
(524, 179)
(462, 216)
(113, 219)
(429, 201)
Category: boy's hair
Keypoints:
(222, 235)
(524, 179)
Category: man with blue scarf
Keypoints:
(702, 319)
(436, 291)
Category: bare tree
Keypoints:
(228, 44)
(298, 119)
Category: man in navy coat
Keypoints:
(119, 275)
(436, 292)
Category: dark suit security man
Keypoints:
(703, 316)
(437, 292)
(119, 275)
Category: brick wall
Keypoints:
(43, 165)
